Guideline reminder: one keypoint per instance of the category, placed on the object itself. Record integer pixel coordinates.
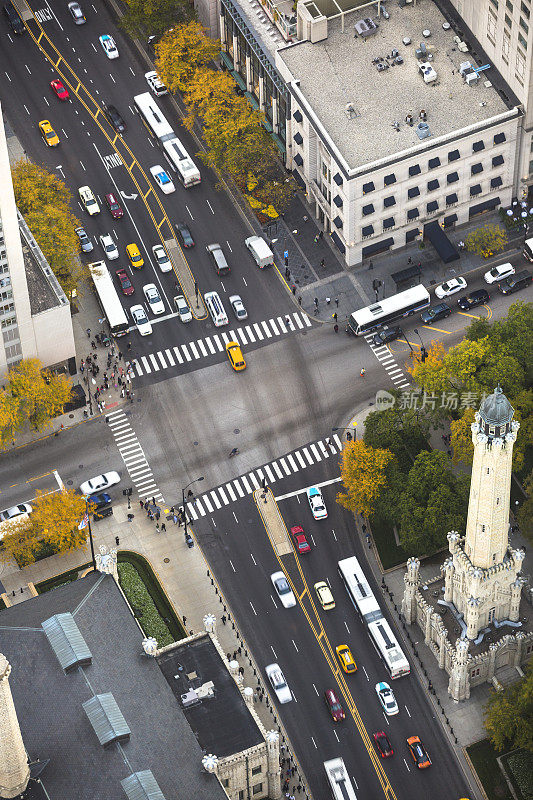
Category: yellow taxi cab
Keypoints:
(134, 255)
(49, 135)
(235, 356)
(346, 660)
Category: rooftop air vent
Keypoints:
(422, 130)
(365, 27)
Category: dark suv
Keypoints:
(386, 335)
(115, 118)
(473, 299)
(433, 314)
(14, 18)
(516, 282)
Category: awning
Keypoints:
(368, 230)
(497, 161)
(414, 170)
(411, 235)
(445, 249)
(450, 220)
(432, 185)
(477, 147)
(388, 180)
(377, 247)
(474, 190)
(297, 116)
(298, 159)
(476, 169)
(388, 223)
(434, 162)
(405, 275)
(338, 201)
(414, 191)
(499, 138)
(389, 201)
(433, 206)
(337, 222)
(495, 182)
(338, 179)
(413, 213)
(488, 205)
(368, 187)
(299, 180)
(451, 199)
(298, 138)
(453, 177)
(338, 241)
(369, 209)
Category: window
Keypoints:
(475, 672)
(298, 138)
(491, 26)
(524, 25)
(475, 190)
(388, 223)
(369, 209)
(388, 180)
(367, 231)
(225, 782)
(257, 789)
(432, 185)
(325, 169)
(453, 155)
(241, 794)
(297, 116)
(494, 3)
(508, 21)
(413, 213)
(414, 170)
(368, 187)
(525, 10)
(13, 352)
(433, 206)
(257, 770)
(434, 162)
(389, 201)
(492, 611)
(451, 199)
(495, 183)
(509, 6)
(492, 430)
(453, 177)
(506, 45)
(522, 41)
(475, 169)
(497, 161)
(414, 191)
(477, 147)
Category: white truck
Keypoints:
(261, 252)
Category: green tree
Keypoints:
(487, 240)
(363, 477)
(509, 715)
(461, 437)
(153, 17)
(182, 52)
(525, 512)
(402, 431)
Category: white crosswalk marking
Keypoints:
(210, 345)
(274, 327)
(186, 352)
(216, 501)
(266, 329)
(170, 358)
(218, 343)
(178, 355)
(293, 463)
(229, 489)
(281, 324)
(225, 337)
(162, 359)
(305, 319)
(194, 351)
(254, 480)
(307, 454)
(191, 511)
(279, 473)
(232, 336)
(201, 346)
(298, 320)
(315, 452)
(337, 441)
(257, 330)
(146, 365)
(270, 474)
(246, 485)
(242, 337)
(133, 456)
(387, 360)
(284, 465)
(207, 503)
(137, 366)
(250, 334)
(153, 359)
(239, 489)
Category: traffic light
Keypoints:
(423, 353)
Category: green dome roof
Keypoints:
(496, 409)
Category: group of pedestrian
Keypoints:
(116, 375)
(319, 236)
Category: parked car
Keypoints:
(333, 705)
(76, 13)
(383, 745)
(15, 511)
(418, 752)
(155, 83)
(450, 287)
(100, 500)
(184, 234)
(300, 542)
(433, 314)
(516, 282)
(497, 274)
(163, 261)
(100, 482)
(279, 684)
(316, 502)
(476, 298)
(126, 285)
(283, 590)
(387, 699)
(85, 242)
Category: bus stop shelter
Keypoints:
(405, 278)
(446, 249)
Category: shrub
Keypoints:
(143, 605)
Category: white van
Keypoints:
(155, 83)
(261, 252)
(216, 309)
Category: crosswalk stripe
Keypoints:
(299, 322)
(218, 343)
(225, 337)
(155, 365)
(146, 365)
(284, 465)
(162, 359)
(233, 336)
(170, 358)
(208, 505)
(394, 371)
(315, 452)
(199, 507)
(129, 447)
(257, 329)
(260, 475)
(229, 489)
(202, 347)
(246, 485)
(243, 338)
(337, 441)
(210, 345)
(300, 459)
(307, 320)
(250, 333)
(277, 469)
(137, 367)
(222, 493)
(266, 329)
(270, 474)
(293, 463)
(178, 355)
(192, 511)
(186, 352)
(282, 325)
(254, 480)
(216, 501)
(306, 453)
(131, 462)
(323, 449)
(113, 415)
(194, 351)
(238, 487)
(274, 327)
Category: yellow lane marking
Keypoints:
(439, 330)
(147, 193)
(38, 477)
(163, 220)
(59, 60)
(303, 594)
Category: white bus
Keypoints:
(379, 630)
(528, 249)
(108, 298)
(338, 779)
(403, 304)
(175, 153)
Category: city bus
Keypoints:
(403, 304)
(528, 249)
(158, 126)
(338, 779)
(108, 299)
(379, 630)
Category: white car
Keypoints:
(155, 83)
(100, 483)
(450, 287)
(316, 501)
(497, 274)
(182, 307)
(283, 590)
(108, 43)
(109, 247)
(154, 298)
(162, 179)
(238, 307)
(15, 511)
(141, 320)
(88, 200)
(279, 684)
(387, 699)
(163, 261)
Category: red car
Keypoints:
(300, 542)
(334, 705)
(383, 745)
(114, 206)
(125, 283)
(57, 87)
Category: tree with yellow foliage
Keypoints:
(183, 51)
(41, 393)
(11, 416)
(431, 374)
(363, 472)
(20, 542)
(461, 437)
(487, 240)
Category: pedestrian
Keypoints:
(117, 541)
(336, 328)
(328, 300)
(317, 239)
(157, 514)
(93, 344)
(129, 346)
(82, 368)
(184, 619)
(150, 516)
(163, 527)
(95, 356)
(153, 501)
(419, 264)
(287, 321)
(371, 265)
(316, 311)
(223, 619)
(335, 316)
(305, 218)
(175, 519)
(300, 300)
(171, 509)
(321, 234)
(316, 302)
(120, 355)
(141, 503)
(409, 260)
(157, 526)
(323, 262)
(190, 493)
(130, 517)
(337, 302)
(348, 436)
(88, 332)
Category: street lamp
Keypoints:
(423, 351)
(349, 428)
(408, 342)
(196, 480)
(90, 532)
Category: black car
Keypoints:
(433, 314)
(116, 119)
(386, 335)
(473, 299)
(184, 234)
(516, 282)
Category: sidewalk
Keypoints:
(185, 576)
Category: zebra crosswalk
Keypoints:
(250, 334)
(387, 360)
(272, 472)
(133, 456)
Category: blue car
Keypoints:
(100, 500)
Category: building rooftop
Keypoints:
(222, 724)
(49, 702)
(339, 71)
(43, 287)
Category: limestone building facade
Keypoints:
(478, 597)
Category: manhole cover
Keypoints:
(236, 430)
(71, 416)
(196, 444)
(69, 483)
(166, 561)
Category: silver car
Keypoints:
(85, 242)
(76, 13)
(279, 684)
(238, 307)
(219, 259)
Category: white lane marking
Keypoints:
(303, 491)
(233, 568)
(295, 647)
(229, 246)
(189, 212)
(346, 624)
(275, 656)
(366, 674)
(253, 609)
(210, 206)
(406, 764)
(407, 710)
(314, 743)
(316, 690)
